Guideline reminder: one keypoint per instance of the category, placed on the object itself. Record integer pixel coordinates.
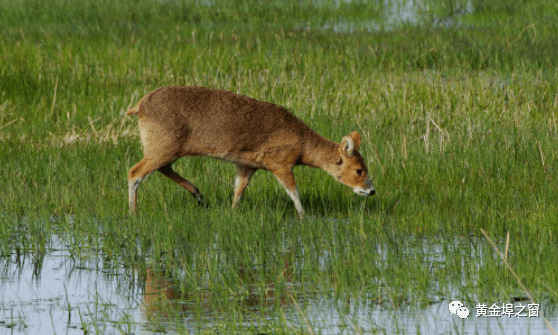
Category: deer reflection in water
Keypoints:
(167, 297)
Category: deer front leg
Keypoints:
(243, 175)
(287, 179)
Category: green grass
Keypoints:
(459, 132)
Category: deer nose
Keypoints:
(371, 192)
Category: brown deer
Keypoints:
(192, 121)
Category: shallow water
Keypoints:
(399, 13)
(55, 294)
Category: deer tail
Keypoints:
(134, 110)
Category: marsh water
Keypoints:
(54, 293)
(396, 14)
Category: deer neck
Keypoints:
(319, 152)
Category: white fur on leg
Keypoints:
(296, 199)
(237, 196)
(132, 194)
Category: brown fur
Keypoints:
(190, 121)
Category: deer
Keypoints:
(180, 121)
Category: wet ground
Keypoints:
(58, 295)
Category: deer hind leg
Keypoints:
(139, 172)
(243, 175)
(287, 179)
(170, 173)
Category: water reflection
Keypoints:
(53, 293)
(166, 295)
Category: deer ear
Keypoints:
(347, 147)
(356, 136)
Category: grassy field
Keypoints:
(457, 109)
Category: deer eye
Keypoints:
(359, 172)
(339, 162)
